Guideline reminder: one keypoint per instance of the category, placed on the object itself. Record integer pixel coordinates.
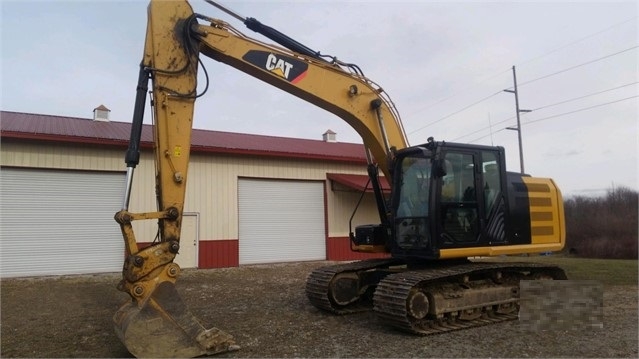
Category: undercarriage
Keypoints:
(430, 299)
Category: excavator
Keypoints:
(449, 203)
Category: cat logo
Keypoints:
(288, 68)
(278, 66)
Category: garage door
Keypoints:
(281, 221)
(59, 222)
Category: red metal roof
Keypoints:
(357, 182)
(37, 127)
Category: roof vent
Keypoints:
(329, 136)
(101, 113)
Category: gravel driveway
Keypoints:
(264, 307)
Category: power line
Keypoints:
(484, 128)
(579, 40)
(584, 96)
(458, 92)
(456, 112)
(580, 65)
(492, 133)
(530, 81)
(579, 110)
(525, 83)
(548, 106)
(541, 119)
(525, 62)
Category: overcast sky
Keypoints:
(444, 64)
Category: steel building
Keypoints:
(250, 199)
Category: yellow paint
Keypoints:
(547, 224)
(499, 250)
(366, 248)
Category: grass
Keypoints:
(607, 271)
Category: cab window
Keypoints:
(458, 185)
(459, 212)
(491, 181)
(415, 187)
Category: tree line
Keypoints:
(603, 227)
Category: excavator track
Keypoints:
(439, 300)
(321, 286)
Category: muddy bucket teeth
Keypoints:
(163, 327)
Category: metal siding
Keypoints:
(59, 222)
(218, 254)
(212, 183)
(281, 221)
(341, 206)
(92, 158)
(52, 155)
(96, 159)
(212, 190)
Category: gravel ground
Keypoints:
(264, 307)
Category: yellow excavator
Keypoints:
(449, 201)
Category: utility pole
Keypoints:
(518, 128)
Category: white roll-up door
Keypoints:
(281, 221)
(57, 222)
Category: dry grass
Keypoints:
(607, 271)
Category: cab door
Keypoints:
(460, 201)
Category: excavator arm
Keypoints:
(156, 322)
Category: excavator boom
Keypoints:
(349, 95)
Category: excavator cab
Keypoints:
(446, 196)
(459, 199)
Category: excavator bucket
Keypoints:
(164, 327)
